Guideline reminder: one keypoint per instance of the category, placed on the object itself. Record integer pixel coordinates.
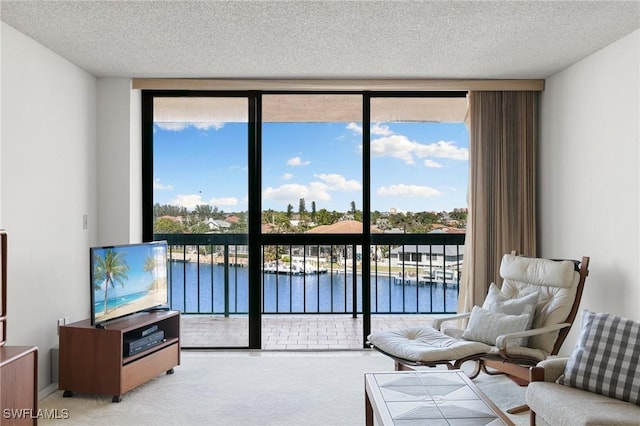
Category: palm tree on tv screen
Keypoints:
(110, 269)
(150, 266)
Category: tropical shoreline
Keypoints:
(149, 300)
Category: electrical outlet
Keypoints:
(60, 322)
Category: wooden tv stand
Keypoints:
(92, 360)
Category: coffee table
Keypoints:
(428, 397)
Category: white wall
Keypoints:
(48, 182)
(135, 170)
(119, 172)
(589, 180)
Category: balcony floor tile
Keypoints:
(290, 332)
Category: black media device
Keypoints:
(148, 331)
(133, 345)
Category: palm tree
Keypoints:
(110, 269)
(150, 266)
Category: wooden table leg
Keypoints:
(368, 411)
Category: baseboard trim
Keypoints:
(43, 393)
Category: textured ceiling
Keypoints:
(324, 39)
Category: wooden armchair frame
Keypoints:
(518, 367)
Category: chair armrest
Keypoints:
(501, 341)
(553, 368)
(437, 323)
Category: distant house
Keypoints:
(340, 227)
(427, 256)
(233, 219)
(218, 225)
(394, 231)
(441, 229)
(267, 228)
(383, 223)
(177, 219)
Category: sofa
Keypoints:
(598, 384)
(556, 405)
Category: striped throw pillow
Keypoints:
(606, 359)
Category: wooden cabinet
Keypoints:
(3, 287)
(18, 385)
(93, 360)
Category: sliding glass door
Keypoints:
(200, 149)
(419, 171)
(305, 206)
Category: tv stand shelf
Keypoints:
(92, 359)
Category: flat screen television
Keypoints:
(127, 279)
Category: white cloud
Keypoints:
(287, 176)
(174, 127)
(316, 191)
(224, 201)
(399, 146)
(376, 129)
(284, 192)
(432, 164)
(179, 126)
(355, 128)
(442, 149)
(381, 130)
(297, 161)
(207, 126)
(402, 190)
(190, 201)
(338, 182)
(161, 187)
(396, 146)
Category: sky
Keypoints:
(414, 166)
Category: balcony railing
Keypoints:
(409, 274)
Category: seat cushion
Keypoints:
(556, 404)
(424, 344)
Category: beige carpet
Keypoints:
(252, 388)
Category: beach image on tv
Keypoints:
(128, 279)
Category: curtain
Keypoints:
(502, 187)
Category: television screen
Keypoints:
(127, 279)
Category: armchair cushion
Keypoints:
(555, 281)
(606, 357)
(553, 368)
(497, 301)
(485, 326)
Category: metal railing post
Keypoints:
(354, 280)
(226, 280)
